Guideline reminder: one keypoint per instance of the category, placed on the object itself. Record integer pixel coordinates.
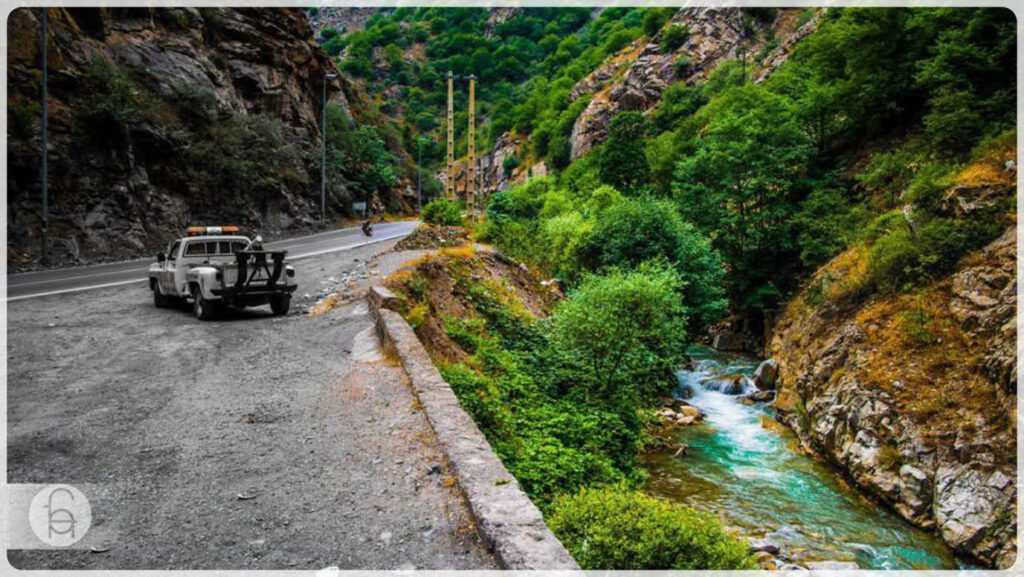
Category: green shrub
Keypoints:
(655, 19)
(805, 17)
(681, 65)
(893, 260)
(928, 186)
(523, 201)
(827, 225)
(918, 324)
(616, 529)
(620, 324)
(509, 165)
(443, 212)
(21, 120)
(674, 37)
(904, 258)
(622, 161)
(112, 105)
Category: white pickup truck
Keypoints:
(217, 267)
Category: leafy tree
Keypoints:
(630, 232)
(826, 224)
(655, 19)
(357, 155)
(742, 185)
(623, 163)
(618, 323)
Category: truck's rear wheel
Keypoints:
(279, 304)
(202, 308)
(159, 298)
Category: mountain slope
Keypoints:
(162, 118)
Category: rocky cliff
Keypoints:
(636, 78)
(159, 119)
(914, 395)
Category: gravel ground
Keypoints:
(172, 420)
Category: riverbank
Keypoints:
(746, 468)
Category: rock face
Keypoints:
(925, 423)
(491, 173)
(173, 77)
(341, 19)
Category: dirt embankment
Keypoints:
(441, 284)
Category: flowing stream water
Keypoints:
(745, 468)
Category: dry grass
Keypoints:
(926, 362)
(328, 304)
(987, 168)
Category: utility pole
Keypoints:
(449, 189)
(323, 150)
(471, 160)
(45, 168)
(419, 175)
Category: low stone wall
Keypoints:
(506, 518)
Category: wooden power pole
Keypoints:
(471, 152)
(449, 188)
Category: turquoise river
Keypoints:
(746, 469)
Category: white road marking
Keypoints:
(67, 278)
(78, 289)
(337, 248)
(125, 282)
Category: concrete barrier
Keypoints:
(506, 518)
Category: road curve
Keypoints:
(65, 280)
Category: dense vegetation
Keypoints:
(564, 400)
(527, 66)
(878, 110)
(722, 199)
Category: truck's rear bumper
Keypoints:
(253, 295)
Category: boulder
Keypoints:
(766, 375)
(762, 396)
(728, 385)
(731, 342)
(689, 411)
(759, 545)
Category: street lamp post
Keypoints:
(44, 167)
(323, 150)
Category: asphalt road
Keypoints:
(246, 442)
(105, 276)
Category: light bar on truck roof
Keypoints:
(208, 230)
